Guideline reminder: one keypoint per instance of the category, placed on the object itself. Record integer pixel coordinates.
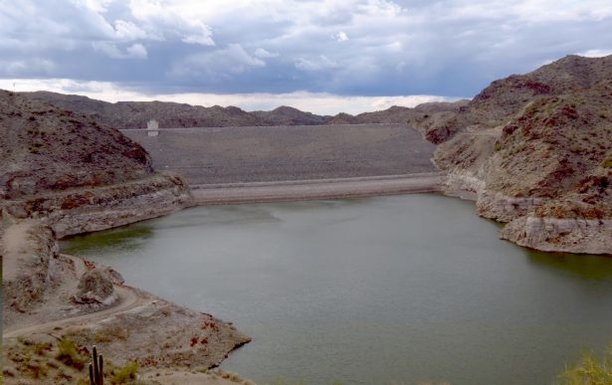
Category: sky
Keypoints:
(322, 56)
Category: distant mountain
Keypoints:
(137, 114)
(289, 116)
(176, 115)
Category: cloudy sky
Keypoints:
(324, 56)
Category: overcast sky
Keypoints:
(322, 56)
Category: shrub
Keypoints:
(69, 355)
(589, 371)
(126, 374)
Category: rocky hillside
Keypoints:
(137, 114)
(289, 116)
(60, 164)
(175, 115)
(536, 150)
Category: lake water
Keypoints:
(390, 290)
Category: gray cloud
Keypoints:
(344, 47)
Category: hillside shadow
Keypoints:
(588, 267)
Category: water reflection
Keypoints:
(127, 238)
(589, 267)
(370, 291)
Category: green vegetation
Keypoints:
(69, 355)
(589, 371)
(126, 374)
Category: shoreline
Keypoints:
(313, 189)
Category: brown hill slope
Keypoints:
(80, 175)
(505, 97)
(44, 148)
(537, 151)
(289, 116)
(397, 114)
(137, 114)
(175, 115)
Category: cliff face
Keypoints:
(77, 174)
(535, 151)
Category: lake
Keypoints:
(390, 290)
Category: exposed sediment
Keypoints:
(591, 236)
(84, 210)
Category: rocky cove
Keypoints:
(542, 166)
(397, 289)
(523, 227)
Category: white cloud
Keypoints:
(341, 36)
(137, 51)
(262, 53)
(452, 47)
(596, 53)
(200, 33)
(168, 18)
(316, 64)
(231, 60)
(127, 30)
(134, 51)
(96, 5)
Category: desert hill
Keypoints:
(137, 114)
(80, 174)
(505, 97)
(45, 148)
(536, 149)
(62, 173)
(176, 115)
(289, 116)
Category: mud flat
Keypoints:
(338, 188)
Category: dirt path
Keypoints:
(11, 244)
(128, 300)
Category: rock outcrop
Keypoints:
(79, 175)
(535, 151)
(29, 253)
(62, 173)
(50, 296)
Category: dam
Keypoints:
(222, 155)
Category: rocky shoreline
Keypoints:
(51, 297)
(48, 293)
(523, 227)
(84, 210)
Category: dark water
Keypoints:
(386, 290)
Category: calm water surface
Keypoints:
(385, 290)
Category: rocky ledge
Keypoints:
(83, 210)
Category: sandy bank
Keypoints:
(339, 188)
